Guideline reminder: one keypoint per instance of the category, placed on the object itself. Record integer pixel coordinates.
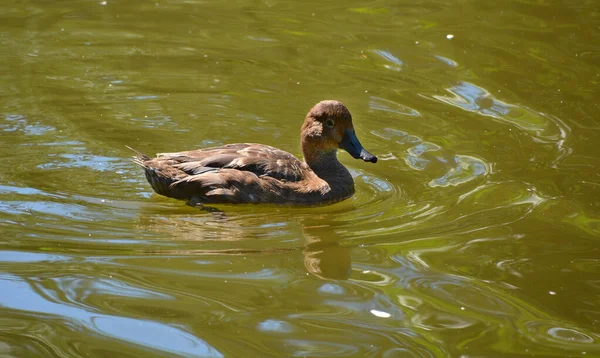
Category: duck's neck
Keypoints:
(327, 167)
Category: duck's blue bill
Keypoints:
(351, 144)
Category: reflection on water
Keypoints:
(476, 99)
(431, 158)
(382, 104)
(153, 335)
(447, 61)
(17, 122)
(475, 235)
(324, 255)
(394, 64)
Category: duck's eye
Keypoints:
(329, 123)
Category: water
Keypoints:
(476, 234)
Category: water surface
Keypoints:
(475, 235)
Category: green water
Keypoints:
(477, 234)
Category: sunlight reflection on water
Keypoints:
(151, 334)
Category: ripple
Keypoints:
(81, 288)
(410, 301)
(438, 321)
(458, 170)
(447, 61)
(476, 99)
(272, 325)
(503, 194)
(30, 257)
(332, 289)
(453, 169)
(569, 334)
(317, 348)
(87, 161)
(385, 105)
(456, 294)
(400, 137)
(71, 211)
(154, 335)
(18, 122)
(7, 189)
(560, 336)
(374, 277)
(395, 63)
(467, 168)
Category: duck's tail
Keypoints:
(140, 157)
(153, 170)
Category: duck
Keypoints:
(259, 173)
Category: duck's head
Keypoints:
(327, 127)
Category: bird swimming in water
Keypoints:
(258, 173)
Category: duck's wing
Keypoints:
(260, 159)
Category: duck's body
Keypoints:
(258, 173)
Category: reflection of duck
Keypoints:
(324, 257)
(323, 251)
(258, 173)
